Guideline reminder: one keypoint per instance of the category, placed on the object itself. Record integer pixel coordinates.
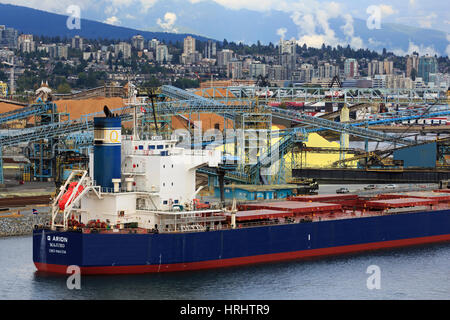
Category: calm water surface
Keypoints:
(408, 273)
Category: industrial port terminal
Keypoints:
(312, 136)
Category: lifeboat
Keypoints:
(63, 202)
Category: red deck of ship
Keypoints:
(440, 196)
(443, 190)
(260, 214)
(325, 198)
(295, 207)
(399, 203)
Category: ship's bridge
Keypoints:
(155, 146)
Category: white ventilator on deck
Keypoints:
(116, 183)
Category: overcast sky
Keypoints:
(424, 13)
(310, 19)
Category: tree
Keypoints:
(64, 88)
(186, 83)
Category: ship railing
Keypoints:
(156, 152)
(185, 221)
(195, 152)
(124, 190)
(194, 227)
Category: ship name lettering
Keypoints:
(60, 239)
(57, 245)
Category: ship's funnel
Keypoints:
(108, 112)
(107, 150)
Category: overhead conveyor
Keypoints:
(28, 111)
(185, 102)
(320, 94)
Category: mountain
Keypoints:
(42, 23)
(215, 21)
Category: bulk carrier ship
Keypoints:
(136, 210)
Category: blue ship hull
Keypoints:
(141, 253)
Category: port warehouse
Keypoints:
(50, 154)
(418, 165)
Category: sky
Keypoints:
(424, 13)
(312, 17)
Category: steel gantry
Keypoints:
(185, 102)
(320, 94)
(202, 104)
(28, 111)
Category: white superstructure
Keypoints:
(157, 188)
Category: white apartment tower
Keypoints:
(189, 45)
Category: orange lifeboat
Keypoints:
(66, 196)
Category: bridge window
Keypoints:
(151, 147)
(160, 146)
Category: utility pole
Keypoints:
(11, 79)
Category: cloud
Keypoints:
(168, 23)
(113, 20)
(312, 19)
(349, 31)
(426, 22)
(121, 3)
(375, 43)
(111, 10)
(421, 49)
(447, 50)
(282, 32)
(257, 5)
(387, 10)
(147, 4)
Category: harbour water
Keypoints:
(408, 273)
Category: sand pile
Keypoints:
(77, 108)
(5, 107)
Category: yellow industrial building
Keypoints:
(3, 89)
